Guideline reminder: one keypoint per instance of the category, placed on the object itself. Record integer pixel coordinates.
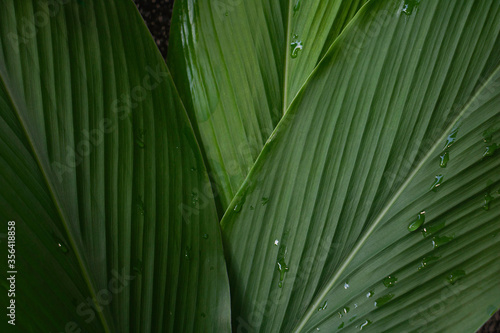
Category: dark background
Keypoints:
(157, 14)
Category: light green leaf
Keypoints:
(355, 161)
(238, 64)
(103, 176)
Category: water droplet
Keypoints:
(205, 236)
(488, 135)
(490, 150)
(456, 275)
(444, 158)
(341, 326)
(346, 310)
(370, 294)
(193, 169)
(317, 328)
(323, 307)
(276, 242)
(438, 241)
(383, 300)
(139, 140)
(194, 197)
(238, 206)
(437, 182)
(419, 220)
(264, 201)
(140, 206)
(409, 6)
(389, 281)
(365, 324)
(187, 253)
(296, 48)
(487, 200)
(137, 269)
(282, 266)
(346, 285)
(426, 261)
(252, 207)
(430, 230)
(450, 140)
(296, 7)
(62, 247)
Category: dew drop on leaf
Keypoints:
(450, 140)
(296, 7)
(389, 281)
(238, 206)
(426, 261)
(490, 150)
(430, 230)
(140, 206)
(370, 294)
(487, 200)
(346, 285)
(438, 241)
(296, 48)
(437, 182)
(205, 236)
(365, 324)
(139, 140)
(456, 275)
(62, 247)
(383, 300)
(444, 158)
(282, 266)
(323, 307)
(187, 253)
(341, 326)
(419, 220)
(409, 6)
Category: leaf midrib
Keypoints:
(323, 293)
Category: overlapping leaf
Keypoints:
(323, 217)
(238, 64)
(116, 225)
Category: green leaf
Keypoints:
(355, 161)
(101, 171)
(238, 66)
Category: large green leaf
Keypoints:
(238, 64)
(100, 169)
(322, 219)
